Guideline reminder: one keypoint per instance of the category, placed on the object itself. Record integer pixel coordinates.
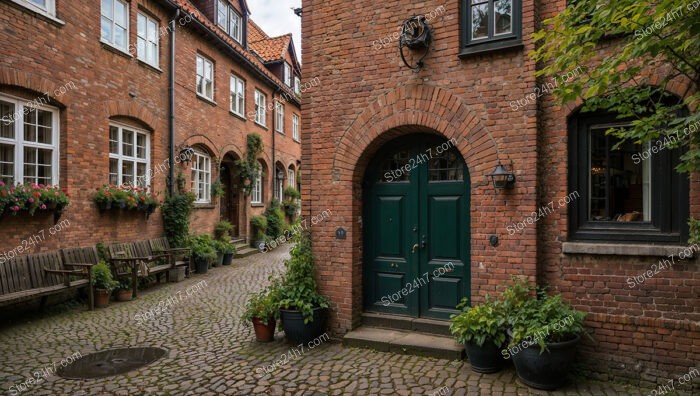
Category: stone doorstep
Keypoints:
(404, 343)
(397, 322)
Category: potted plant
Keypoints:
(302, 308)
(544, 335)
(229, 251)
(202, 252)
(262, 309)
(482, 330)
(223, 230)
(103, 283)
(258, 226)
(123, 290)
(221, 249)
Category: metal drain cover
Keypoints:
(110, 362)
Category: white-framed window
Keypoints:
(260, 107)
(237, 96)
(43, 6)
(291, 178)
(297, 85)
(279, 117)
(295, 127)
(229, 20)
(287, 74)
(256, 192)
(29, 141)
(279, 190)
(129, 156)
(201, 176)
(115, 23)
(147, 39)
(205, 77)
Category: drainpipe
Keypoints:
(171, 89)
(274, 132)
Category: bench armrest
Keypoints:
(78, 265)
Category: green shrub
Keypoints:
(259, 225)
(202, 246)
(263, 305)
(223, 230)
(101, 277)
(176, 211)
(291, 193)
(480, 323)
(275, 220)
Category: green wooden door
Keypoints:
(416, 228)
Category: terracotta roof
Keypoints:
(189, 8)
(270, 49)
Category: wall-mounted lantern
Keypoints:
(186, 154)
(502, 178)
(416, 34)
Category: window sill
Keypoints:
(623, 249)
(257, 205)
(204, 205)
(207, 100)
(239, 116)
(261, 126)
(150, 66)
(488, 47)
(280, 132)
(297, 141)
(39, 12)
(112, 48)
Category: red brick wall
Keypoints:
(366, 96)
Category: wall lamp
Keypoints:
(502, 178)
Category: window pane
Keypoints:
(7, 120)
(393, 169)
(141, 146)
(503, 15)
(620, 190)
(113, 171)
(113, 140)
(141, 48)
(141, 175)
(120, 13)
(44, 127)
(152, 29)
(30, 126)
(127, 172)
(222, 15)
(141, 25)
(128, 143)
(447, 166)
(7, 163)
(480, 21)
(106, 30)
(108, 9)
(120, 36)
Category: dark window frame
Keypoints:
(669, 190)
(492, 43)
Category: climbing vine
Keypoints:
(248, 166)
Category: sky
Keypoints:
(276, 18)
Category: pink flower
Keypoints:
(2, 183)
(31, 200)
(15, 208)
(43, 207)
(55, 194)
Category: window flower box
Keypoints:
(32, 199)
(111, 197)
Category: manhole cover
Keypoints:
(110, 362)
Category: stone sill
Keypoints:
(622, 249)
(39, 12)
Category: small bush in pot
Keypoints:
(544, 335)
(262, 310)
(223, 231)
(302, 308)
(103, 283)
(482, 330)
(258, 225)
(202, 252)
(123, 290)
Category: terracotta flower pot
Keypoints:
(264, 332)
(101, 298)
(124, 295)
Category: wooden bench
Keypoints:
(178, 257)
(137, 260)
(40, 275)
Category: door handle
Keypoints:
(423, 243)
(415, 248)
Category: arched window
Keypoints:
(629, 192)
(201, 176)
(129, 155)
(256, 194)
(291, 177)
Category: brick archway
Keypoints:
(132, 109)
(34, 82)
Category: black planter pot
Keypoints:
(201, 265)
(548, 370)
(258, 244)
(485, 359)
(297, 331)
(228, 259)
(219, 260)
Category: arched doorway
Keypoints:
(417, 228)
(231, 200)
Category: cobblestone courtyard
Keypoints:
(212, 353)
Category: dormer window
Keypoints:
(229, 20)
(287, 74)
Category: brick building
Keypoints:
(101, 77)
(401, 159)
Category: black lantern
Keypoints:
(416, 35)
(502, 178)
(186, 153)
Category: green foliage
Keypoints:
(176, 211)
(298, 289)
(249, 166)
(223, 247)
(102, 251)
(223, 230)
(31, 197)
(263, 305)
(101, 277)
(481, 323)
(694, 231)
(124, 284)
(275, 219)
(217, 189)
(127, 197)
(291, 208)
(202, 246)
(658, 35)
(259, 224)
(291, 193)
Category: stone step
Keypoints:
(407, 323)
(238, 241)
(245, 251)
(404, 342)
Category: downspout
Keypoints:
(171, 93)
(274, 133)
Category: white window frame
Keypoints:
(19, 143)
(220, 4)
(121, 157)
(236, 34)
(297, 85)
(291, 178)
(279, 117)
(50, 8)
(295, 127)
(147, 40)
(260, 108)
(237, 95)
(201, 176)
(205, 61)
(256, 191)
(280, 189)
(113, 21)
(288, 74)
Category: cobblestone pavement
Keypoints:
(211, 353)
